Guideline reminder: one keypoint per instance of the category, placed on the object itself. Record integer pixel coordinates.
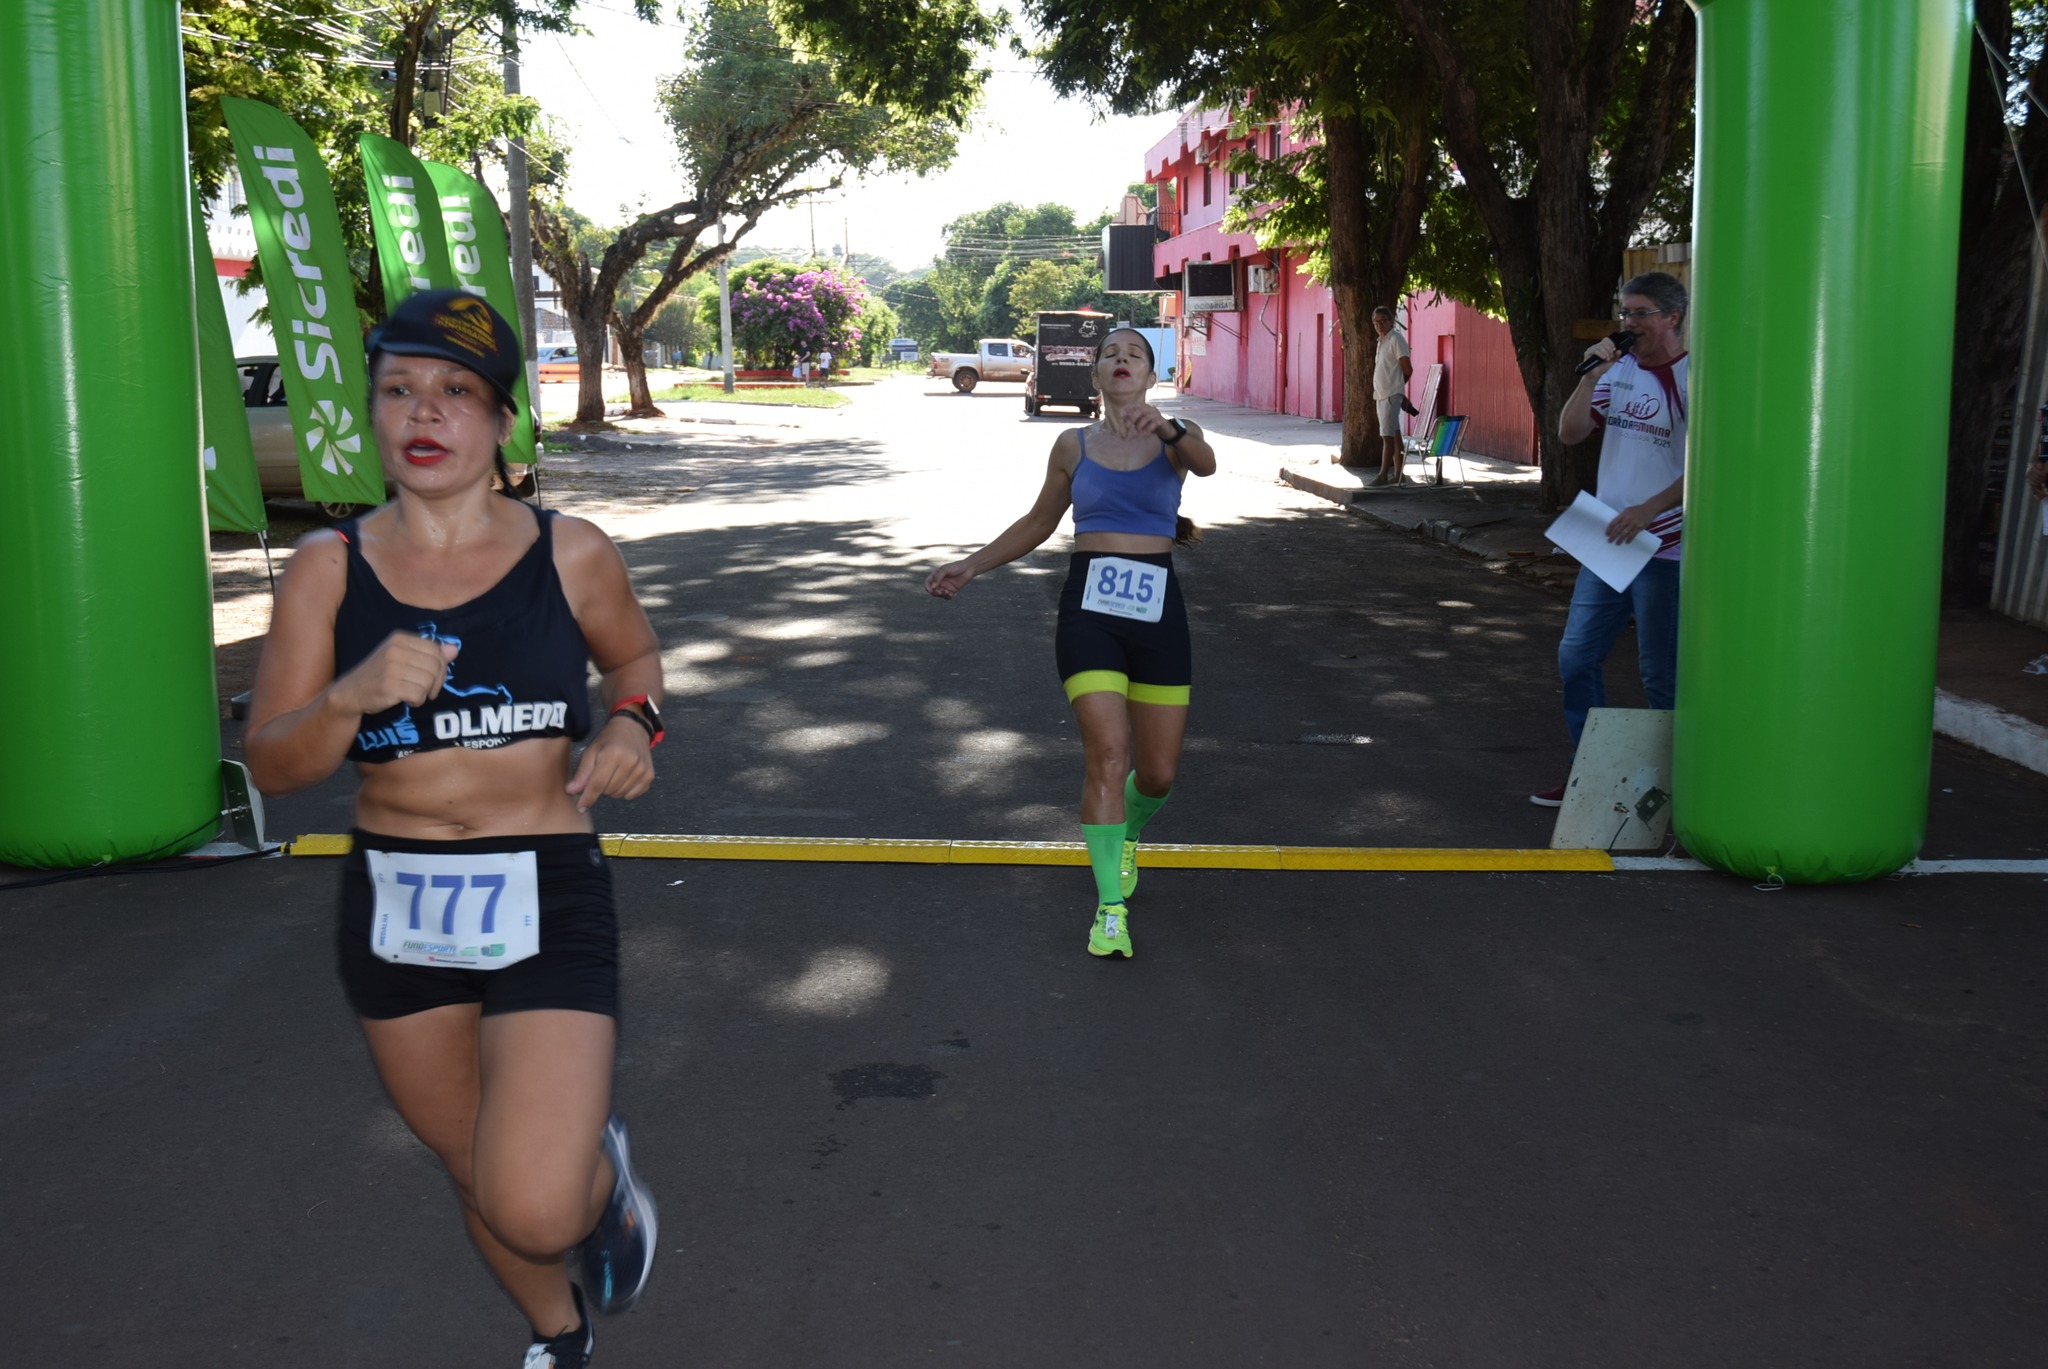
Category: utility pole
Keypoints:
(812, 205)
(724, 311)
(522, 227)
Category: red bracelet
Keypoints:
(640, 709)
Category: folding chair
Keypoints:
(1417, 441)
(1443, 442)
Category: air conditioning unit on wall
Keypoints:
(1261, 280)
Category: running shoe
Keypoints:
(570, 1350)
(1127, 869)
(1549, 798)
(1111, 934)
(617, 1257)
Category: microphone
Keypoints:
(1623, 342)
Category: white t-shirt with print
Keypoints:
(1642, 412)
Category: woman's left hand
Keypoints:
(617, 764)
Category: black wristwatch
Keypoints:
(1180, 430)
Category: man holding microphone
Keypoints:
(1635, 393)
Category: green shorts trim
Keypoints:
(1116, 682)
(1159, 694)
(1096, 682)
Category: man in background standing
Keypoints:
(1390, 371)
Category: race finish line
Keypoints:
(1406, 859)
(887, 851)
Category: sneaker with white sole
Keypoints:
(1111, 934)
(570, 1350)
(616, 1258)
(1549, 798)
(1127, 868)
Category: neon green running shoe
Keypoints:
(1127, 868)
(1111, 934)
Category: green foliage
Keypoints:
(917, 57)
(680, 327)
(998, 266)
(878, 323)
(752, 113)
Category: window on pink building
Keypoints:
(1206, 169)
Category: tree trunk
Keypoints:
(1350, 290)
(590, 337)
(412, 36)
(632, 343)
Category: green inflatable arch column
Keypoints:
(111, 747)
(1829, 182)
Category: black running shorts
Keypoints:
(1148, 663)
(577, 966)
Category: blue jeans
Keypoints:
(1598, 614)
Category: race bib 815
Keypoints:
(1126, 589)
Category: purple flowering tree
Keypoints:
(781, 310)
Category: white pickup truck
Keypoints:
(995, 359)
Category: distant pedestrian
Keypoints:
(1122, 643)
(442, 642)
(825, 366)
(1391, 370)
(1638, 400)
(802, 370)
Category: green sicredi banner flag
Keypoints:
(234, 497)
(411, 252)
(312, 303)
(482, 262)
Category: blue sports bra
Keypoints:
(521, 673)
(1144, 501)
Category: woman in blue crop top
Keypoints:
(442, 642)
(1122, 643)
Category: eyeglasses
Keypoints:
(1640, 314)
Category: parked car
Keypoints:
(559, 361)
(995, 359)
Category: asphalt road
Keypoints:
(896, 1115)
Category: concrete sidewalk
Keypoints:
(1991, 671)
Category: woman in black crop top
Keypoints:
(1122, 643)
(441, 642)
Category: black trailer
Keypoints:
(1063, 371)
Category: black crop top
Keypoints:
(522, 671)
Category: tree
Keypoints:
(1346, 75)
(782, 310)
(325, 64)
(2005, 149)
(878, 323)
(757, 123)
(679, 327)
(1565, 119)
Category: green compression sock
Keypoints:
(1105, 858)
(1139, 808)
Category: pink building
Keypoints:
(1275, 344)
(1480, 380)
(1252, 330)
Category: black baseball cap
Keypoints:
(456, 326)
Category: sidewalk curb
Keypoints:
(2005, 735)
(1969, 721)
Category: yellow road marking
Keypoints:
(888, 851)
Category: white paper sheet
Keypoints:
(1582, 531)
